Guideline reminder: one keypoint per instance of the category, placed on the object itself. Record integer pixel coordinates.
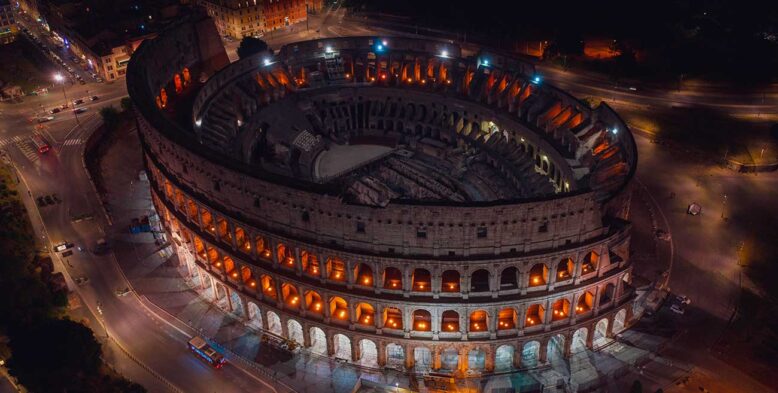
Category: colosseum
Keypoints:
(394, 202)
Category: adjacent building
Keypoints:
(241, 18)
(8, 27)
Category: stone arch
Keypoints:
(619, 321)
(363, 275)
(600, 333)
(538, 275)
(395, 355)
(341, 346)
(365, 314)
(506, 319)
(578, 343)
(422, 320)
(295, 331)
(450, 281)
(560, 309)
(478, 321)
(585, 302)
(339, 308)
(393, 278)
(449, 321)
(449, 359)
(368, 353)
(608, 294)
(509, 278)
(476, 359)
(318, 341)
(314, 302)
(268, 286)
(535, 315)
(422, 358)
(310, 263)
(255, 316)
(555, 348)
(393, 318)
(290, 296)
(285, 255)
(336, 269)
(421, 280)
(274, 323)
(479, 281)
(565, 269)
(503, 358)
(590, 262)
(530, 354)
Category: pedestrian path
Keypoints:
(73, 142)
(10, 141)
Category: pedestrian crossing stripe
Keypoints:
(72, 142)
(9, 141)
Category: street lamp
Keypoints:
(61, 79)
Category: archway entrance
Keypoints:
(295, 331)
(395, 356)
(530, 354)
(579, 341)
(600, 333)
(255, 316)
(556, 349)
(318, 341)
(368, 353)
(274, 323)
(449, 359)
(476, 360)
(503, 358)
(342, 347)
(619, 321)
(422, 358)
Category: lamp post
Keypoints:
(61, 79)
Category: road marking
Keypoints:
(73, 142)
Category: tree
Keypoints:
(251, 46)
(110, 117)
(126, 104)
(55, 355)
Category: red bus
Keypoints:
(204, 351)
(40, 143)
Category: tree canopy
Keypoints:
(250, 46)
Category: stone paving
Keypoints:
(156, 273)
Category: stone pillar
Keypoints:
(381, 353)
(547, 318)
(215, 290)
(573, 308)
(523, 282)
(517, 351)
(435, 282)
(463, 327)
(233, 238)
(494, 284)
(330, 343)
(378, 318)
(284, 327)
(409, 359)
(376, 282)
(568, 345)
(322, 268)
(552, 276)
(352, 315)
(349, 274)
(356, 351)
(279, 294)
(462, 360)
(273, 254)
(407, 281)
(298, 264)
(597, 296)
(435, 358)
(489, 359)
(543, 351)
(303, 303)
(245, 303)
(202, 278)
(307, 336)
(590, 336)
(464, 280)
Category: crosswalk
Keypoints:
(10, 141)
(73, 142)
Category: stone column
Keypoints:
(407, 283)
(307, 336)
(376, 282)
(409, 359)
(273, 254)
(462, 360)
(245, 303)
(233, 238)
(298, 264)
(568, 345)
(547, 318)
(322, 268)
(523, 282)
(489, 359)
(590, 336)
(356, 352)
(492, 322)
(543, 351)
(494, 284)
(330, 343)
(597, 296)
(378, 318)
(517, 351)
(552, 276)
(352, 315)
(349, 274)
(381, 353)
(573, 308)
(435, 358)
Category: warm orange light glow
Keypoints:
(342, 314)
(218, 264)
(348, 76)
(315, 270)
(253, 284)
(535, 280)
(448, 82)
(452, 286)
(410, 80)
(337, 274)
(372, 79)
(235, 275)
(423, 81)
(294, 300)
(383, 76)
(366, 280)
(248, 246)
(450, 327)
(317, 306)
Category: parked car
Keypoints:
(55, 110)
(677, 309)
(79, 110)
(45, 119)
(95, 98)
(78, 101)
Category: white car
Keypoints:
(44, 119)
(62, 246)
(677, 309)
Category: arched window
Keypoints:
(509, 279)
(560, 309)
(314, 302)
(564, 270)
(363, 275)
(393, 318)
(535, 314)
(339, 308)
(422, 281)
(479, 281)
(393, 278)
(538, 275)
(450, 281)
(506, 319)
(449, 321)
(590, 263)
(365, 314)
(291, 298)
(585, 303)
(422, 321)
(310, 263)
(268, 286)
(336, 269)
(285, 255)
(263, 248)
(478, 321)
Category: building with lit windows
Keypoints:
(243, 18)
(388, 201)
(8, 27)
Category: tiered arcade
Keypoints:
(388, 201)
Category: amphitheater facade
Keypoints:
(390, 201)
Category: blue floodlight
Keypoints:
(536, 80)
(485, 63)
(379, 47)
(266, 61)
(615, 130)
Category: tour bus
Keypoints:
(40, 143)
(202, 349)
